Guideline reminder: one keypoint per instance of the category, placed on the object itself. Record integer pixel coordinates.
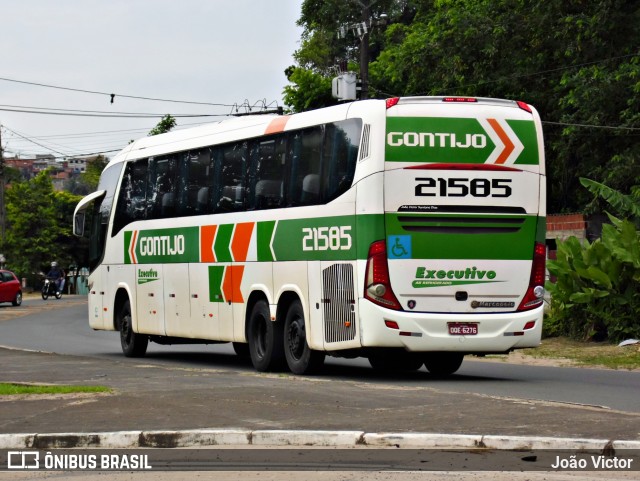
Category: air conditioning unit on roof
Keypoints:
(343, 87)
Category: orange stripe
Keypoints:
(508, 145)
(277, 125)
(207, 235)
(231, 284)
(240, 241)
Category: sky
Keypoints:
(229, 52)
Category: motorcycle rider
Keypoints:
(57, 275)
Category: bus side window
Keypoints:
(161, 190)
(341, 144)
(196, 179)
(132, 201)
(232, 177)
(267, 172)
(306, 159)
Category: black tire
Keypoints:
(265, 339)
(300, 358)
(133, 344)
(396, 361)
(242, 350)
(443, 364)
(45, 294)
(58, 294)
(18, 299)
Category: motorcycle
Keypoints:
(49, 289)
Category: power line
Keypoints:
(112, 95)
(79, 149)
(108, 132)
(30, 140)
(48, 148)
(80, 135)
(591, 126)
(102, 114)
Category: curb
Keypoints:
(278, 438)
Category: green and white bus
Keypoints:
(409, 231)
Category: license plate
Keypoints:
(462, 329)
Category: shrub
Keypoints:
(597, 292)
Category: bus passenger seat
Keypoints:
(310, 189)
(202, 200)
(168, 205)
(268, 193)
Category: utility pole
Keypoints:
(361, 30)
(364, 51)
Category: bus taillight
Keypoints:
(392, 101)
(377, 281)
(460, 99)
(524, 106)
(535, 292)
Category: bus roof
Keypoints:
(230, 130)
(251, 126)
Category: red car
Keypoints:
(10, 289)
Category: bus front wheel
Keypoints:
(133, 344)
(442, 364)
(300, 358)
(265, 339)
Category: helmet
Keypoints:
(54, 264)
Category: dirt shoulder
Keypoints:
(562, 352)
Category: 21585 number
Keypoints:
(335, 238)
(462, 187)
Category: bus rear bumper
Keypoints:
(494, 332)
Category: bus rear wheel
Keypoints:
(442, 364)
(265, 339)
(300, 358)
(133, 344)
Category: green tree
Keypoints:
(39, 227)
(167, 123)
(624, 205)
(576, 61)
(322, 50)
(309, 90)
(597, 291)
(11, 175)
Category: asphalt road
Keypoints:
(208, 387)
(60, 326)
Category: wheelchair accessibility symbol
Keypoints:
(399, 246)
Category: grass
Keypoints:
(9, 389)
(588, 353)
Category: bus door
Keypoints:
(177, 300)
(150, 294)
(97, 293)
(214, 282)
(91, 218)
(204, 305)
